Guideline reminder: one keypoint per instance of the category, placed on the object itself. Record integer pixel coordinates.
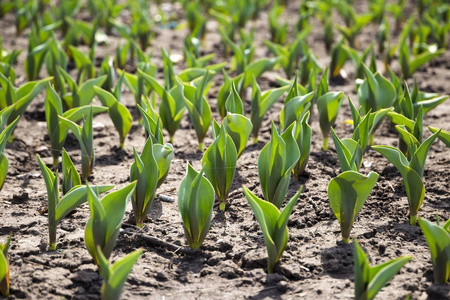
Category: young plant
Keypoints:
(350, 31)
(273, 224)
(365, 125)
(115, 276)
(339, 57)
(20, 97)
(59, 207)
(219, 163)
(151, 122)
(198, 107)
(260, 105)
(80, 94)
(409, 63)
(4, 268)
(290, 54)
(35, 57)
(57, 130)
(376, 92)
(438, 239)
(195, 204)
(85, 137)
(370, 280)
(71, 178)
(145, 171)
(358, 59)
(295, 107)
(328, 106)
(275, 164)
(172, 105)
(105, 222)
(4, 137)
(347, 193)
(118, 112)
(349, 153)
(84, 64)
(411, 171)
(278, 31)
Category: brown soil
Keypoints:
(232, 261)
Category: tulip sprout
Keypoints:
(347, 193)
(115, 276)
(411, 171)
(4, 136)
(195, 204)
(275, 164)
(85, 137)
(219, 162)
(438, 239)
(103, 226)
(273, 224)
(328, 106)
(4, 268)
(59, 207)
(261, 103)
(370, 280)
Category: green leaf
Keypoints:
(238, 128)
(347, 193)
(233, 104)
(163, 155)
(273, 224)
(145, 171)
(275, 163)
(438, 240)
(70, 173)
(118, 112)
(117, 274)
(195, 207)
(328, 106)
(219, 162)
(444, 136)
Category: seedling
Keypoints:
(349, 153)
(261, 103)
(370, 280)
(145, 171)
(438, 239)
(273, 224)
(219, 163)
(275, 164)
(4, 136)
(20, 97)
(195, 203)
(411, 171)
(347, 193)
(4, 268)
(365, 125)
(328, 106)
(376, 92)
(59, 207)
(115, 276)
(57, 130)
(198, 107)
(103, 226)
(151, 122)
(85, 137)
(80, 94)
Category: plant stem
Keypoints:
(122, 146)
(413, 219)
(55, 161)
(222, 206)
(201, 146)
(371, 139)
(171, 139)
(255, 140)
(325, 143)
(346, 239)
